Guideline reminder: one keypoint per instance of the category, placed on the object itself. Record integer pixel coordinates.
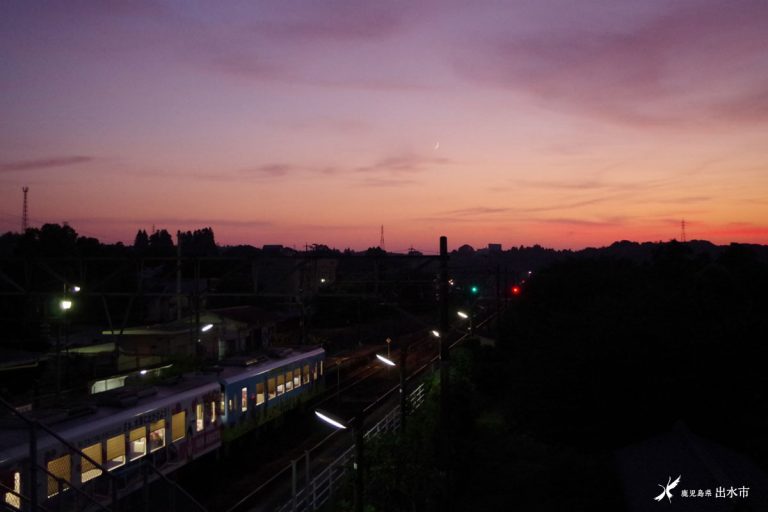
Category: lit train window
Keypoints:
(280, 384)
(306, 374)
(137, 443)
(59, 469)
(231, 404)
(288, 380)
(178, 426)
(244, 399)
(222, 404)
(297, 377)
(199, 417)
(321, 367)
(259, 393)
(88, 471)
(13, 499)
(156, 435)
(213, 412)
(271, 388)
(115, 452)
(314, 371)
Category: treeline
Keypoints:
(618, 349)
(595, 354)
(54, 240)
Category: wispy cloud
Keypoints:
(289, 43)
(335, 20)
(44, 163)
(170, 222)
(403, 164)
(479, 210)
(272, 170)
(567, 221)
(691, 65)
(386, 182)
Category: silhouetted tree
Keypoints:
(161, 243)
(141, 242)
(198, 243)
(375, 252)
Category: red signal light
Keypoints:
(515, 290)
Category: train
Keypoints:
(166, 426)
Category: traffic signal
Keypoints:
(516, 290)
(474, 289)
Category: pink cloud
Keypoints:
(44, 163)
(687, 66)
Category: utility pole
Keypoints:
(444, 356)
(178, 275)
(358, 428)
(403, 392)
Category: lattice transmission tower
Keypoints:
(24, 212)
(381, 241)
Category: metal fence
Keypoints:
(319, 489)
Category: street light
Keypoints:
(435, 333)
(65, 305)
(357, 427)
(206, 328)
(389, 362)
(466, 316)
(330, 419)
(385, 360)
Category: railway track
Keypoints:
(250, 475)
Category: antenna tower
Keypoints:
(24, 212)
(682, 231)
(381, 241)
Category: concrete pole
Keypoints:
(359, 463)
(403, 391)
(444, 356)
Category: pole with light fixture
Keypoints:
(357, 428)
(65, 304)
(389, 362)
(200, 348)
(466, 316)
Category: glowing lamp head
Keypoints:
(65, 304)
(385, 360)
(435, 333)
(206, 327)
(330, 420)
(462, 315)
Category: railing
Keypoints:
(320, 489)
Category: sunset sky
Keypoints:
(562, 123)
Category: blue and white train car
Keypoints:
(166, 428)
(262, 391)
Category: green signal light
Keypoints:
(474, 289)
